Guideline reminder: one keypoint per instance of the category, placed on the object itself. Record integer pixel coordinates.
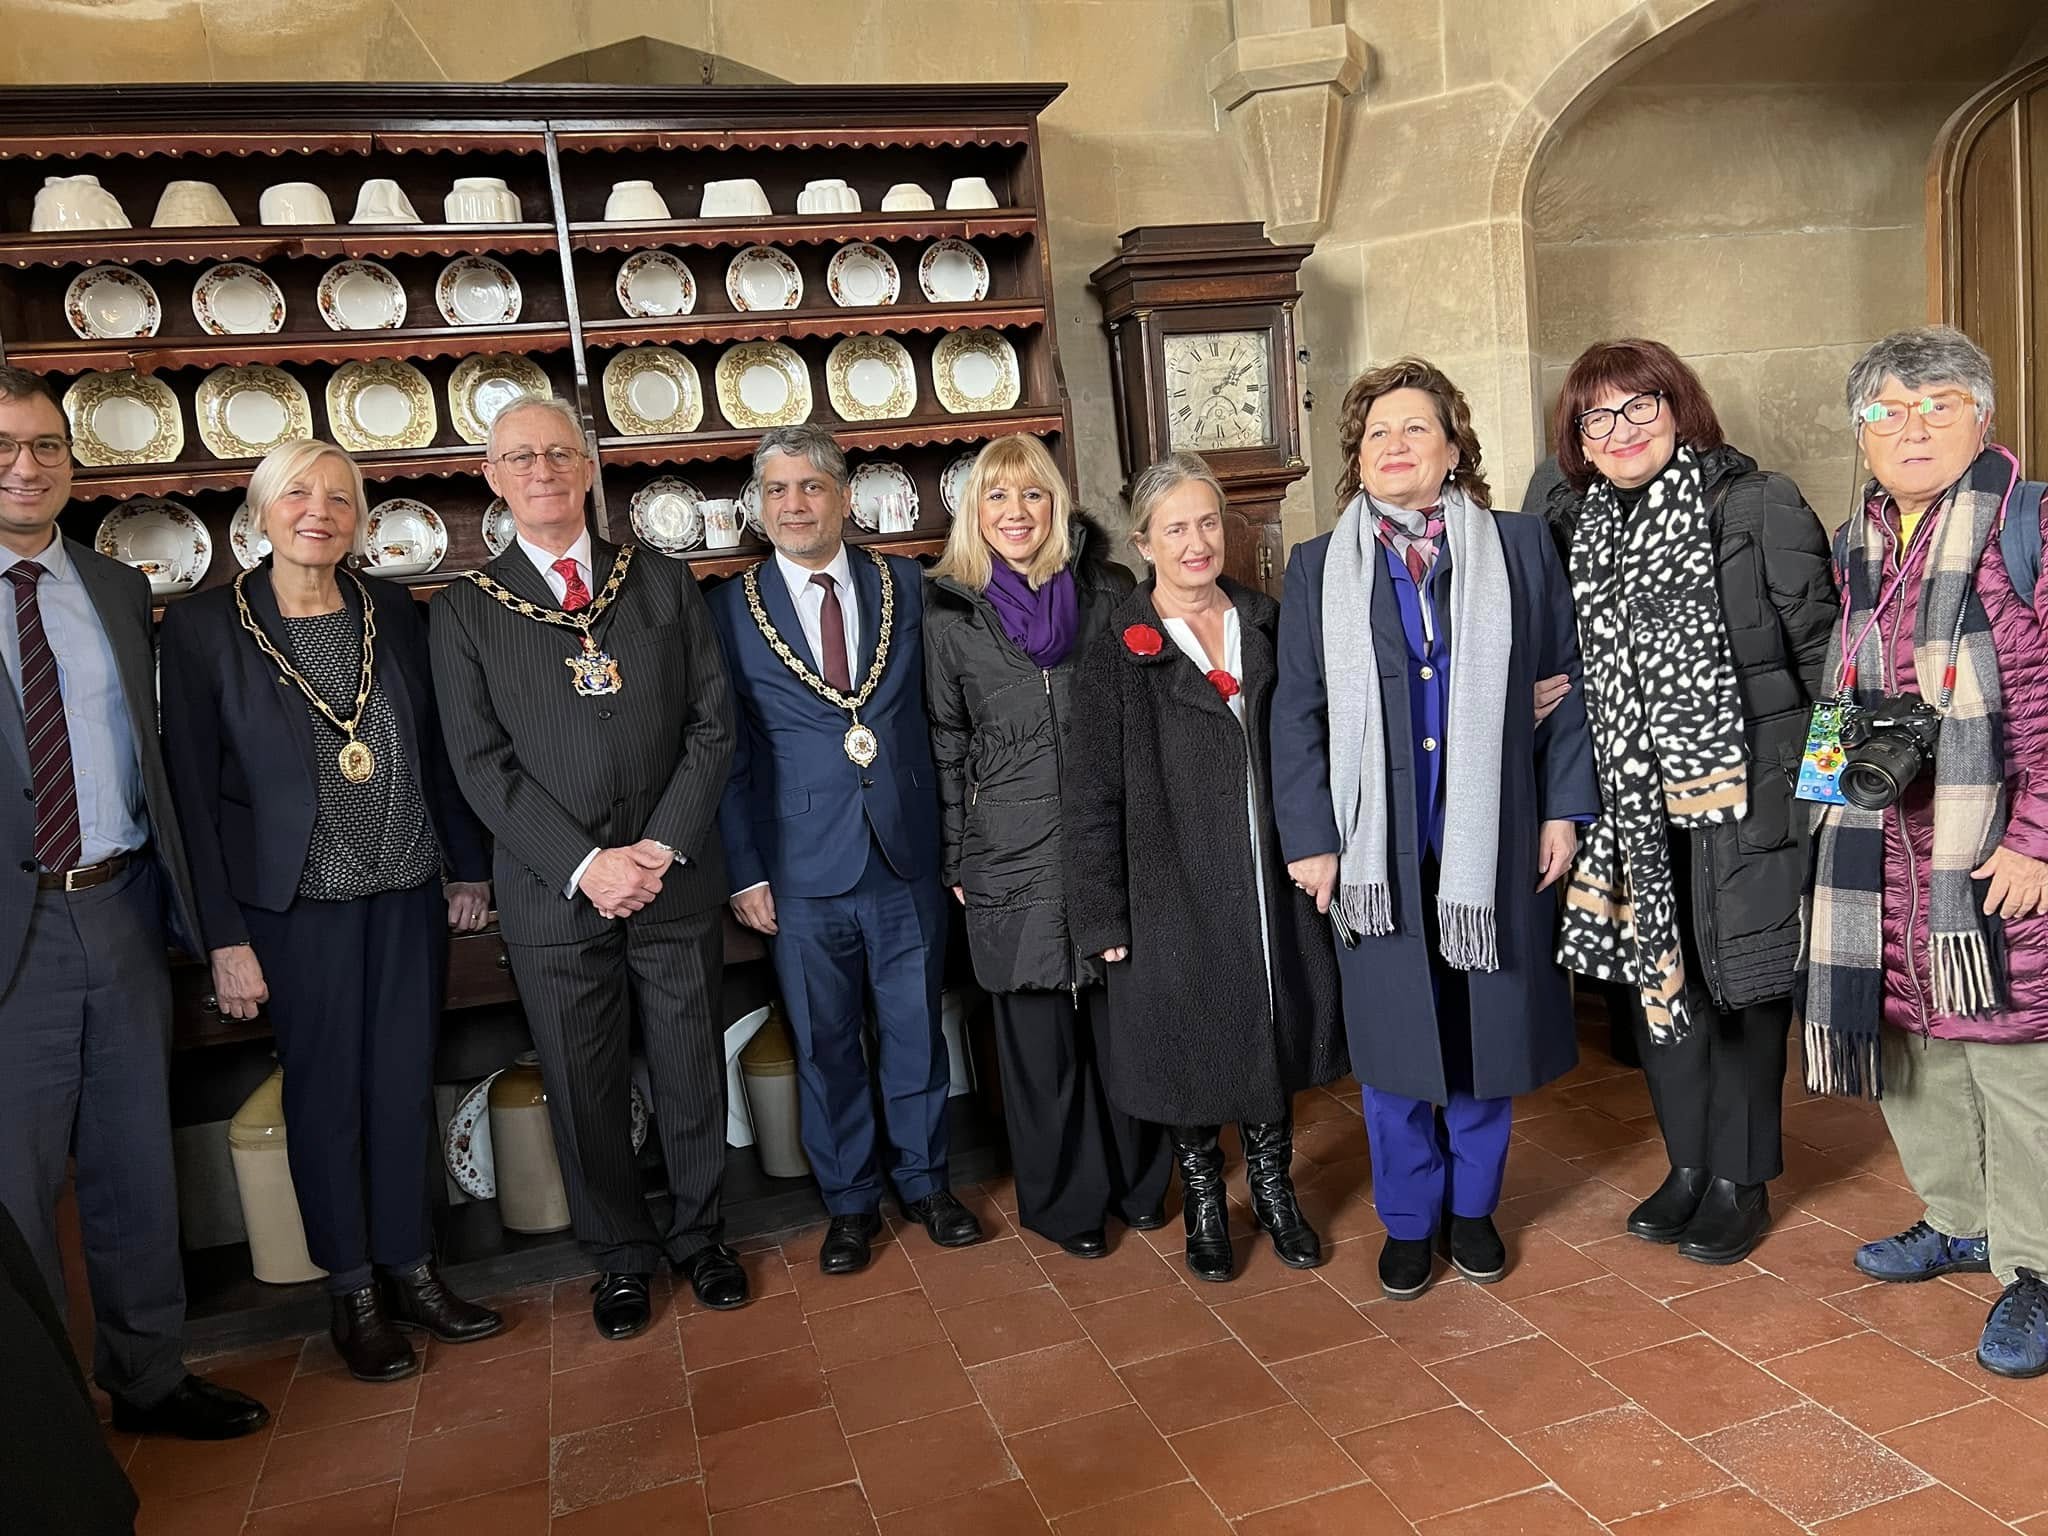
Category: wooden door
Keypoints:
(1987, 246)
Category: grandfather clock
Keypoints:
(1201, 356)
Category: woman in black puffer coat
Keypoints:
(1022, 590)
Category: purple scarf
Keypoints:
(1040, 623)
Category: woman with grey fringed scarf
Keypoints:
(1927, 981)
(1423, 806)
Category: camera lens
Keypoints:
(1878, 771)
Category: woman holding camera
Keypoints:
(1928, 978)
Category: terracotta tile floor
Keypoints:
(1605, 1385)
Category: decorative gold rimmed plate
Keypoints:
(761, 277)
(123, 418)
(244, 412)
(484, 385)
(653, 285)
(112, 303)
(870, 378)
(382, 404)
(236, 299)
(975, 371)
(763, 384)
(361, 296)
(652, 392)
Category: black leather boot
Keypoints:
(1730, 1220)
(417, 1298)
(1268, 1160)
(365, 1339)
(1203, 1210)
(1663, 1217)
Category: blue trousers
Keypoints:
(1424, 1165)
(878, 948)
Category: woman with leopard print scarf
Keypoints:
(1704, 600)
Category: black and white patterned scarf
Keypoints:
(1666, 718)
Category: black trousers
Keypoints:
(355, 1000)
(1077, 1159)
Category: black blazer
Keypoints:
(240, 748)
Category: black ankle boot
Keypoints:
(1268, 1157)
(1664, 1217)
(1203, 1209)
(1728, 1224)
(365, 1339)
(417, 1298)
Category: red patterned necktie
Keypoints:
(575, 595)
(832, 627)
(58, 840)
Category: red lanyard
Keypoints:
(1921, 535)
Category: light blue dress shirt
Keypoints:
(104, 761)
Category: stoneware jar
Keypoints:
(263, 1178)
(530, 1193)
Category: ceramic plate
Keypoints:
(236, 299)
(668, 515)
(975, 371)
(953, 482)
(761, 277)
(862, 276)
(475, 290)
(651, 391)
(952, 272)
(112, 303)
(245, 412)
(884, 497)
(763, 384)
(246, 539)
(870, 378)
(374, 406)
(123, 418)
(162, 539)
(653, 285)
(499, 529)
(484, 385)
(467, 1146)
(750, 504)
(406, 537)
(361, 296)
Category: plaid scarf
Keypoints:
(1666, 718)
(1844, 975)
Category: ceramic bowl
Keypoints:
(905, 197)
(739, 199)
(481, 200)
(635, 200)
(295, 202)
(828, 197)
(970, 192)
(76, 202)
(192, 203)
(383, 201)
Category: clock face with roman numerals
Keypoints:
(1218, 390)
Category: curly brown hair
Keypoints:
(1451, 410)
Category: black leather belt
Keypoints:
(86, 876)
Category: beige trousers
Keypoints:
(1971, 1125)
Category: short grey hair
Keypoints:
(1921, 358)
(1161, 480)
(805, 442)
(553, 404)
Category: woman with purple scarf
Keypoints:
(1023, 588)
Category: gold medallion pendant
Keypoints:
(358, 762)
(861, 745)
(593, 671)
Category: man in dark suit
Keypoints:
(831, 831)
(590, 724)
(94, 865)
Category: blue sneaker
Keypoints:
(2015, 1341)
(1921, 1253)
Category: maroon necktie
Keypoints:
(575, 595)
(832, 632)
(58, 840)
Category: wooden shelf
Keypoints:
(73, 146)
(911, 432)
(159, 354)
(956, 136)
(158, 247)
(122, 480)
(804, 229)
(796, 324)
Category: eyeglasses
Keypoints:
(1597, 425)
(521, 461)
(47, 451)
(1887, 418)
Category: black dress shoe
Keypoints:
(1405, 1267)
(620, 1306)
(1203, 1211)
(1268, 1160)
(1092, 1244)
(847, 1246)
(1731, 1218)
(1476, 1249)
(1663, 1217)
(1152, 1222)
(367, 1340)
(949, 1223)
(715, 1275)
(195, 1410)
(417, 1298)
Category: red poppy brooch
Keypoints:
(1143, 640)
(1224, 683)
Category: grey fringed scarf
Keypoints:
(1481, 642)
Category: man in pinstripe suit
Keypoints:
(590, 722)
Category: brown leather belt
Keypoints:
(86, 876)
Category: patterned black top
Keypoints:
(369, 837)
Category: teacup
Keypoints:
(76, 202)
(970, 192)
(295, 202)
(481, 200)
(383, 201)
(905, 197)
(894, 514)
(635, 200)
(722, 523)
(191, 203)
(734, 200)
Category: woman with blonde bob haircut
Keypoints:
(1024, 588)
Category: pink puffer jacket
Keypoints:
(2022, 643)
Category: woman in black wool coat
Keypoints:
(1222, 980)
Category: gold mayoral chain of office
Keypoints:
(357, 761)
(861, 745)
(592, 671)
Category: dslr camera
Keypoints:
(1887, 745)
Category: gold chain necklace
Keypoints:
(593, 672)
(861, 744)
(357, 761)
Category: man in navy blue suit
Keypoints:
(831, 832)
